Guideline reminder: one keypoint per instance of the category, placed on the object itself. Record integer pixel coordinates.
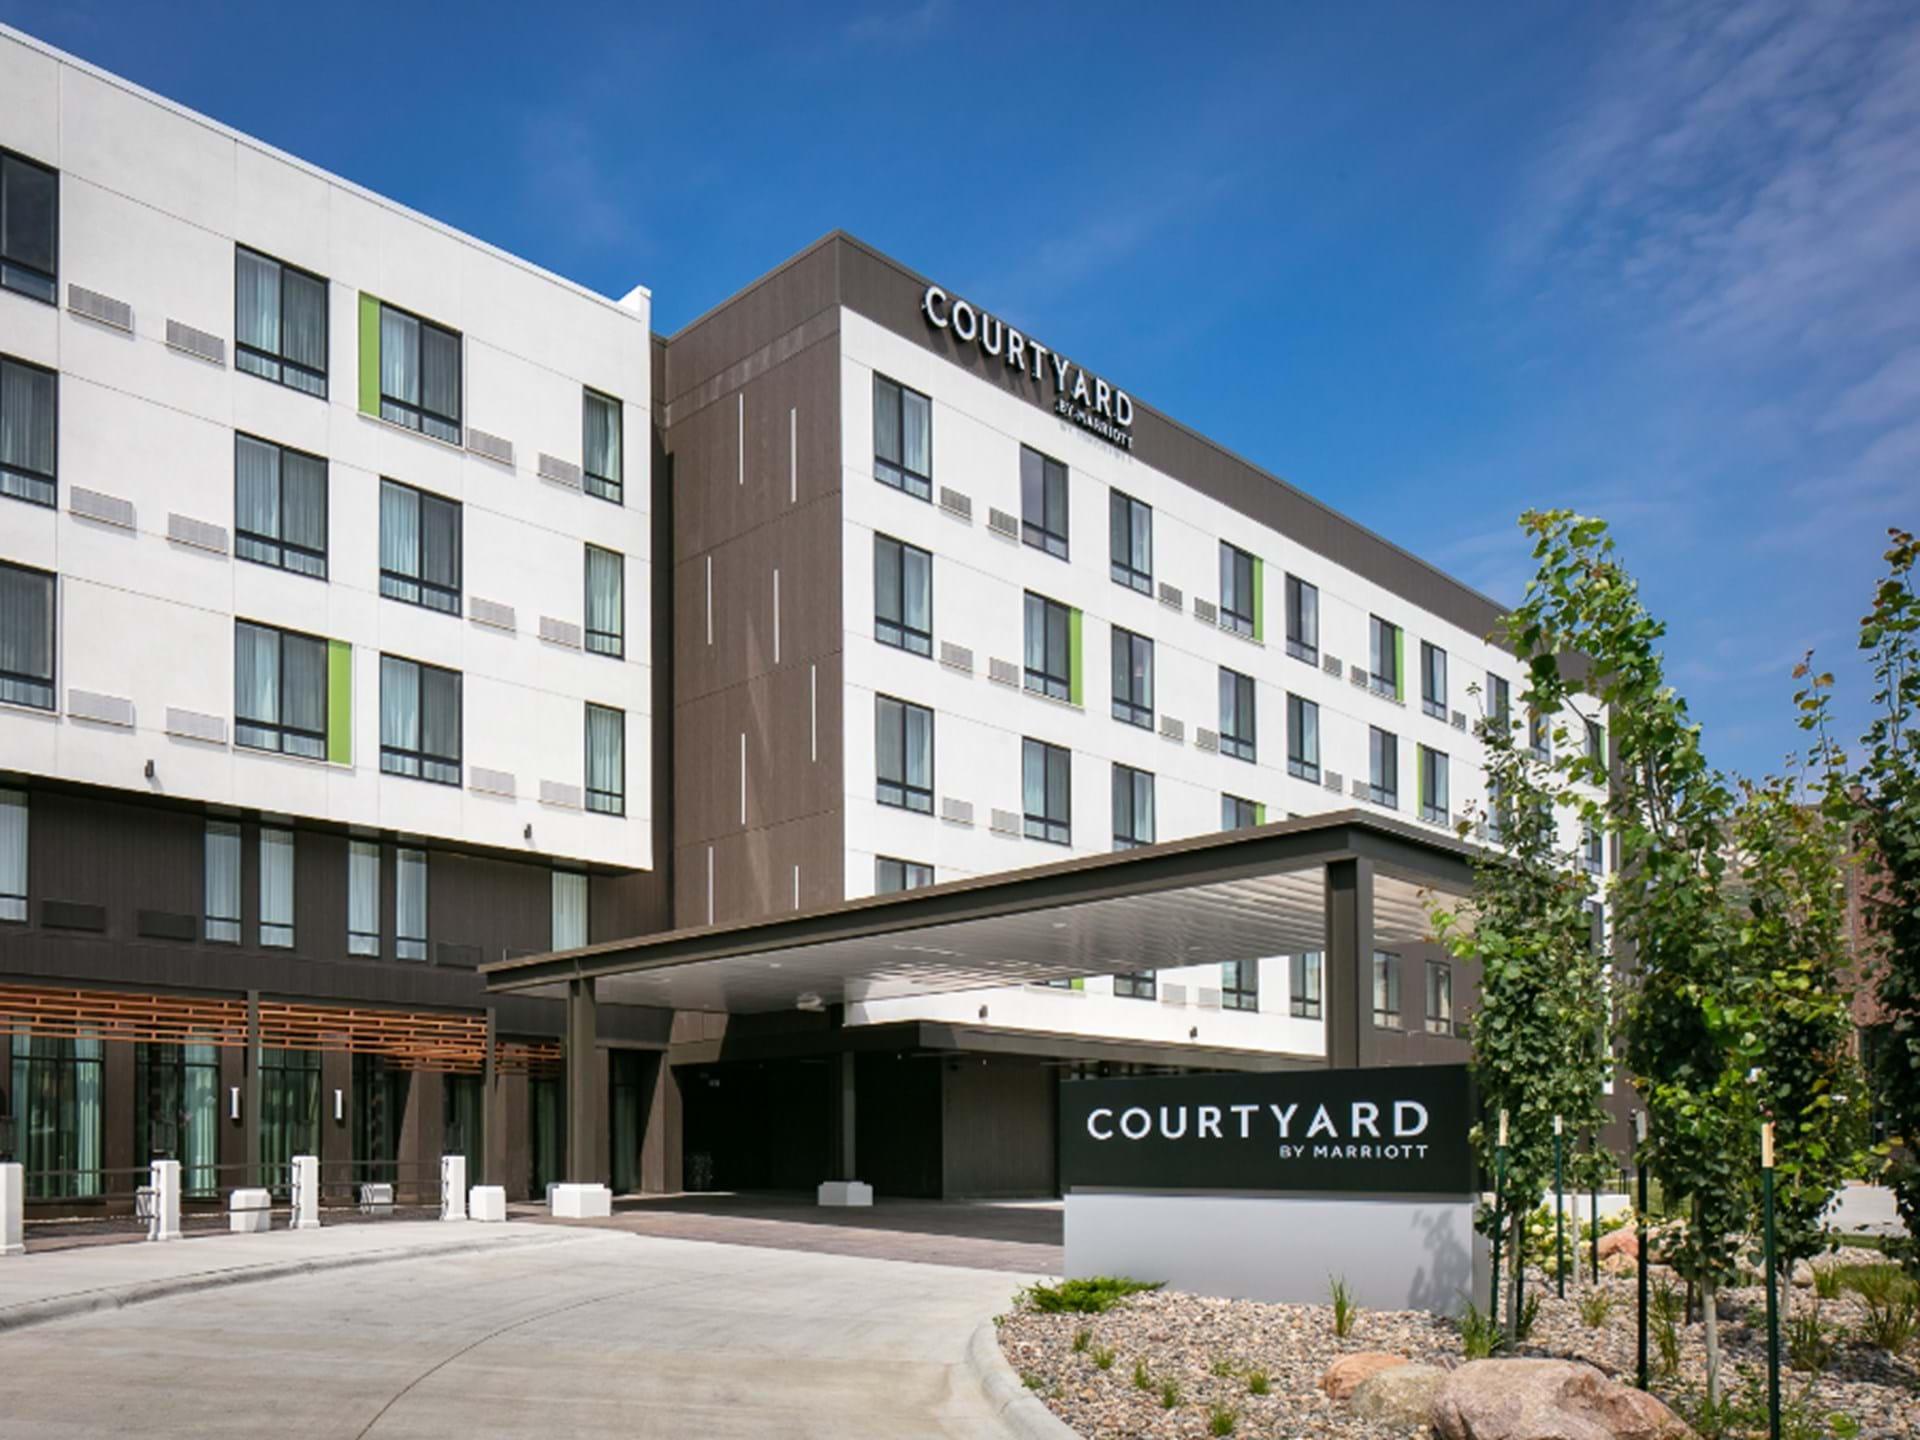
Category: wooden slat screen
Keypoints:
(117, 1015)
(412, 1039)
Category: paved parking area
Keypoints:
(577, 1333)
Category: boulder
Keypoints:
(1620, 1242)
(1345, 1375)
(1400, 1395)
(1546, 1400)
(1618, 1264)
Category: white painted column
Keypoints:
(164, 1177)
(306, 1192)
(453, 1187)
(13, 1184)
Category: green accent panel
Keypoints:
(339, 702)
(1259, 810)
(1399, 663)
(1075, 689)
(1259, 598)
(1079, 984)
(369, 354)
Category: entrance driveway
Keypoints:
(595, 1333)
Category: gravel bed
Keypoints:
(1183, 1338)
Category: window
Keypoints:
(1434, 800)
(1132, 678)
(606, 759)
(1239, 814)
(1499, 705)
(419, 375)
(1303, 620)
(29, 227)
(419, 720)
(419, 547)
(1238, 600)
(1046, 773)
(279, 690)
(606, 602)
(600, 446)
(1383, 648)
(1386, 990)
(1593, 849)
(410, 905)
(1240, 984)
(26, 637)
(363, 897)
(1539, 735)
(903, 745)
(57, 1086)
(1303, 739)
(1303, 991)
(1135, 985)
(223, 882)
(1132, 807)
(13, 855)
(1433, 680)
(276, 888)
(279, 322)
(569, 910)
(1049, 647)
(902, 438)
(891, 876)
(1043, 502)
(1384, 754)
(1596, 741)
(1130, 529)
(1439, 998)
(29, 399)
(902, 595)
(279, 507)
(1236, 714)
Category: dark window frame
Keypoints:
(1236, 821)
(33, 478)
(275, 542)
(1241, 744)
(1439, 1017)
(1045, 680)
(1300, 765)
(1387, 748)
(600, 800)
(1137, 985)
(610, 643)
(393, 582)
(611, 488)
(51, 680)
(898, 633)
(1129, 777)
(266, 357)
(1129, 706)
(1435, 766)
(395, 758)
(1231, 618)
(1122, 565)
(899, 792)
(8, 263)
(906, 481)
(1379, 631)
(1239, 984)
(1387, 1015)
(278, 727)
(908, 870)
(1433, 701)
(1300, 645)
(414, 416)
(1299, 1004)
(1593, 849)
(1039, 533)
(1046, 826)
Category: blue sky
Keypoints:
(1433, 264)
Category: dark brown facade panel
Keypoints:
(754, 871)
(782, 301)
(787, 774)
(997, 1126)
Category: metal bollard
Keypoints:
(13, 1185)
(453, 1187)
(163, 1220)
(306, 1192)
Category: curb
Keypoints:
(86, 1302)
(1021, 1411)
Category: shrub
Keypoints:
(1081, 1339)
(1344, 1310)
(1528, 1317)
(1668, 1307)
(1877, 1284)
(1826, 1282)
(1891, 1324)
(1258, 1383)
(1094, 1296)
(1479, 1333)
(1595, 1306)
(1809, 1343)
(1031, 1380)
(1103, 1357)
(1169, 1394)
(1221, 1420)
(1142, 1377)
(1221, 1366)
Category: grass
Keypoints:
(1877, 1284)
(1142, 1377)
(1891, 1324)
(1258, 1383)
(1528, 1317)
(1221, 1420)
(1595, 1306)
(1826, 1282)
(1809, 1343)
(1169, 1395)
(1081, 1340)
(1344, 1310)
(1093, 1296)
(1221, 1366)
(1479, 1333)
(1103, 1357)
(1668, 1307)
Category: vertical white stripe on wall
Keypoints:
(743, 777)
(793, 455)
(709, 885)
(796, 887)
(709, 599)
(813, 709)
(742, 438)
(776, 614)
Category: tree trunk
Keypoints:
(1710, 1303)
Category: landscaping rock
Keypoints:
(1620, 1242)
(1402, 1395)
(1346, 1374)
(1546, 1400)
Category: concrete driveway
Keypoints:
(596, 1333)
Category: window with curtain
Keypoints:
(891, 876)
(1386, 990)
(1049, 668)
(276, 888)
(1046, 784)
(1303, 739)
(223, 882)
(410, 904)
(1132, 678)
(1434, 798)
(1236, 589)
(1130, 537)
(279, 506)
(1132, 807)
(363, 897)
(600, 472)
(1539, 735)
(176, 1110)
(58, 1090)
(289, 1110)
(1237, 813)
(419, 547)
(1592, 848)
(462, 1117)
(1383, 653)
(1439, 998)
(902, 438)
(29, 403)
(1303, 998)
(1240, 984)
(1303, 620)
(1499, 703)
(606, 602)
(419, 375)
(1237, 727)
(419, 720)
(606, 760)
(902, 595)
(1043, 502)
(279, 322)
(1596, 740)
(1433, 680)
(13, 855)
(29, 227)
(1383, 755)
(279, 690)
(903, 745)
(569, 910)
(26, 636)
(1136, 984)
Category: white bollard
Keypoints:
(249, 1212)
(13, 1184)
(489, 1202)
(306, 1192)
(163, 1176)
(453, 1187)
